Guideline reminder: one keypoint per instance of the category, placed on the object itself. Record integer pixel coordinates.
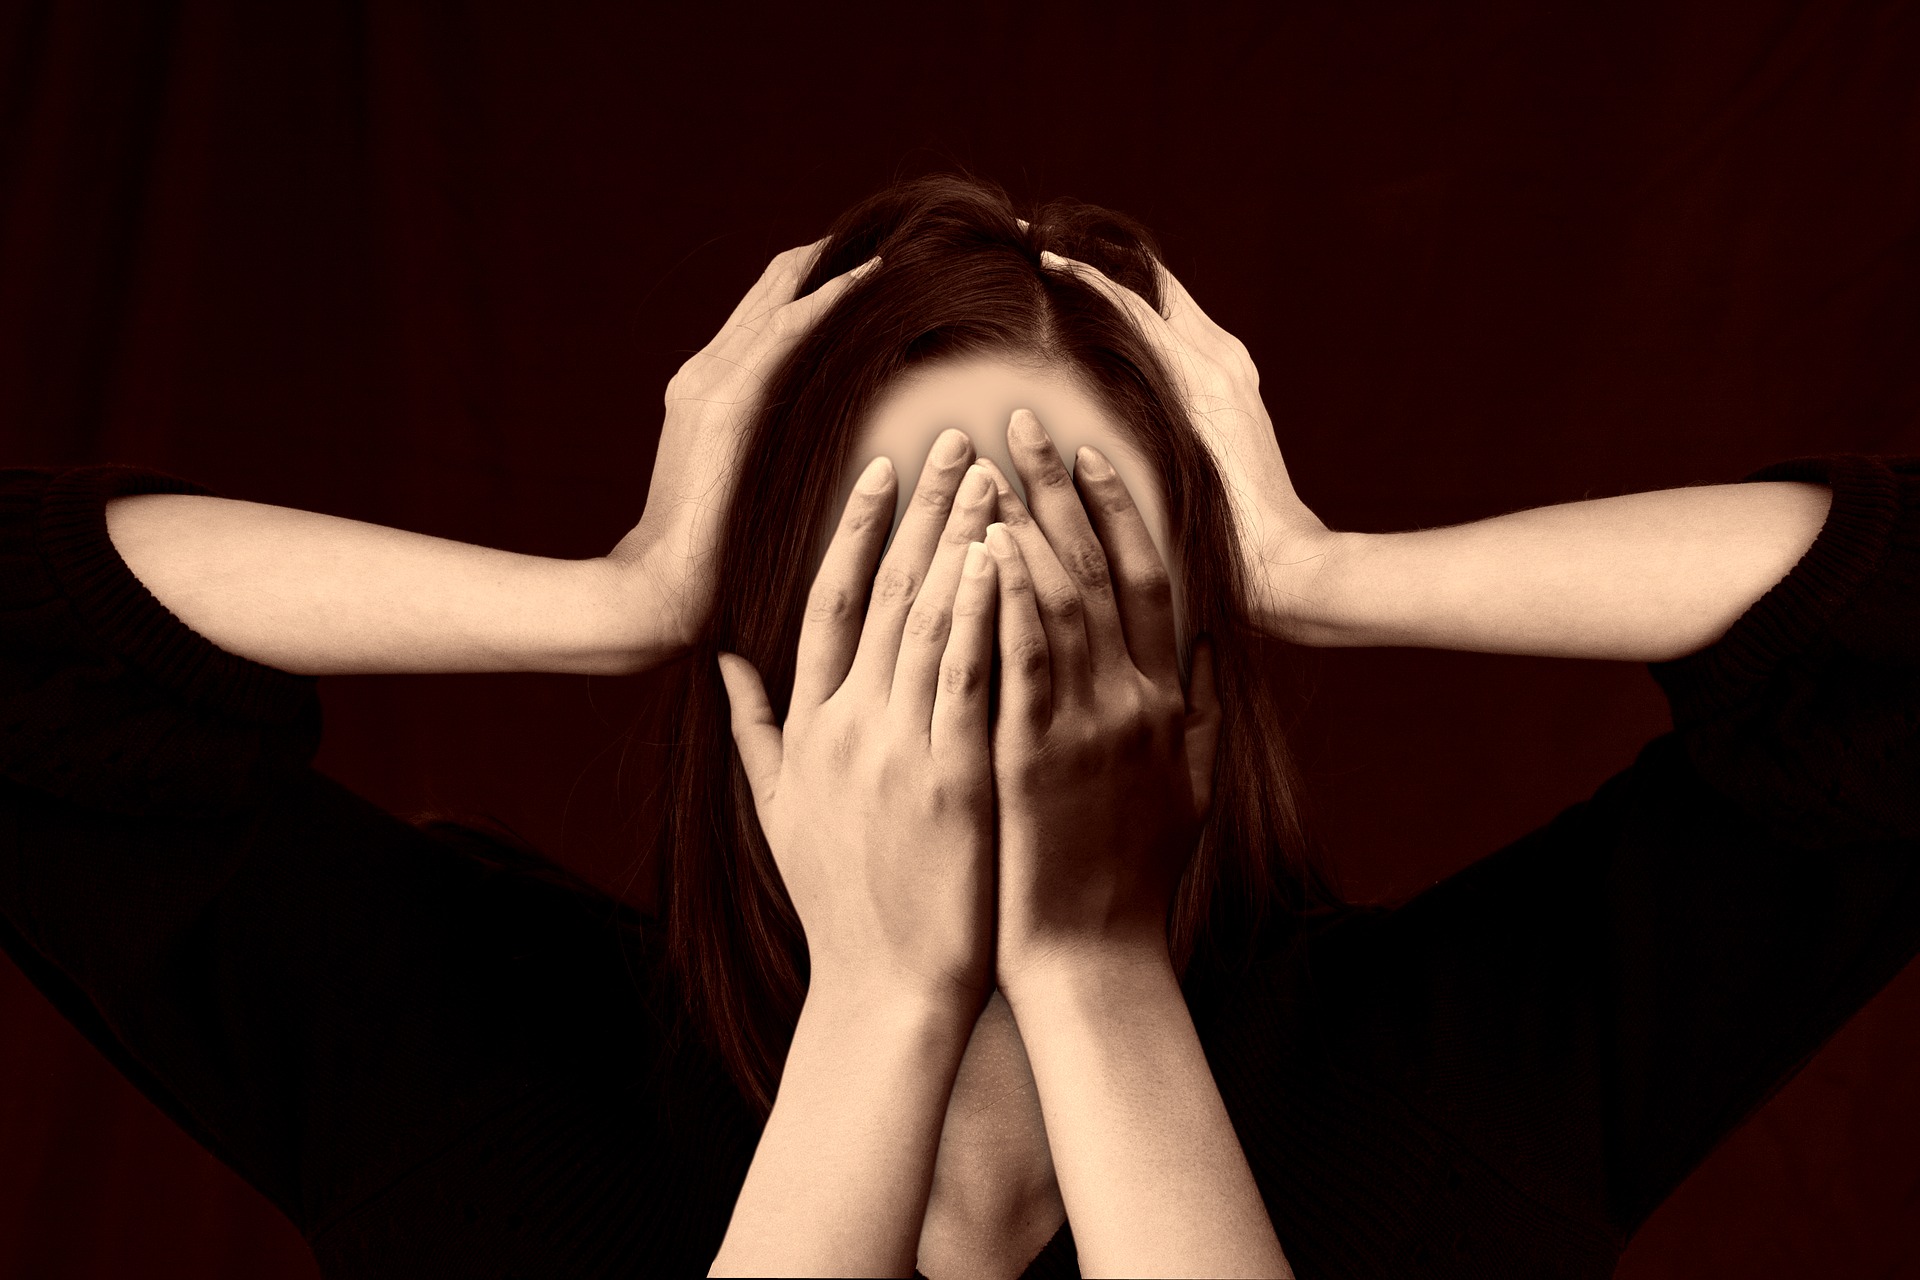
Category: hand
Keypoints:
(1103, 768)
(1222, 387)
(876, 797)
(710, 403)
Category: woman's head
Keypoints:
(961, 324)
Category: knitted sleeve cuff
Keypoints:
(125, 618)
(1850, 549)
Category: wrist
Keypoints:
(1303, 589)
(1092, 983)
(636, 611)
(859, 1005)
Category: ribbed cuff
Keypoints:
(128, 620)
(1849, 550)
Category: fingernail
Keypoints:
(994, 474)
(951, 446)
(1025, 429)
(977, 485)
(866, 268)
(874, 478)
(1091, 464)
(1048, 258)
(999, 541)
(976, 559)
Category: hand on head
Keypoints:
(710, 403)
(1221, 385)
(882, 794)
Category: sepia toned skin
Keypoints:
(951, 1134)
(1102, 771)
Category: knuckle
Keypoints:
(1088, 565)
(952, 792)
(960, 678)
(1028, 656)
(894, 584)
(1150, 577)
(1051, 475)
(932, 498)
(924, 622)
(1027, 772)
(786, 322)
(829, 602)
(863, 515)
(1060, 601)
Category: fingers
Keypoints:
(1184, 314)
(925, 640)
(778, 281)
(774, 316)
(836, 603)
(1141, 583)
(901, 573)
(755, 735)
(793, 319)
(1056, 507)
(1129, 302)
(1026, 691)
(959, 718)
(1185, 327)
(1055, 601)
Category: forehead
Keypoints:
(978, 395)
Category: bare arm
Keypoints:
(1104, 773)
(1151, 1170)
(1644, 578)
(876, 798)
(840, 1179)
(320, 595)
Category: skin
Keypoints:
(876, 799)
(978, 395)
(995, 1197)
(880, 1073)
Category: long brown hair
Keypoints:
(960, 277)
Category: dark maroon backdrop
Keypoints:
(435, 271)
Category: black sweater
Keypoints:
(436, 1062)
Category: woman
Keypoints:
(439, 1055)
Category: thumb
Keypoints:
(1203, 724)
(755, 735)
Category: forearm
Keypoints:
(1152, 1173)
(839, 1182)
(1645, 577)
(321, 595)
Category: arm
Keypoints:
(319, 595)
(1150, 1167)
(840, 1179)
(876, 799)
(1104, 773)
(1645, 578)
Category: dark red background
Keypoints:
(435, 270)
